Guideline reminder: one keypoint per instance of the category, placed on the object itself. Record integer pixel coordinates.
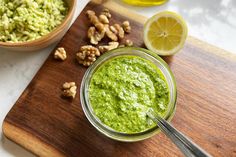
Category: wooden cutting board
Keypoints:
(49, 126)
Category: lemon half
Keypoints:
(165, 33)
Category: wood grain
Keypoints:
(44, 123)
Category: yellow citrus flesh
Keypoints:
(165, 33)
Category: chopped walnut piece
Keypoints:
(60, 54)
(110, 34)
(120, 30)
(95, 36)
(87, 55)
(94, 20)
(107, 13)
(110, 46)
(128, 42)
(126, 26)
(69, 89)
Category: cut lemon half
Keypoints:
(165, 33)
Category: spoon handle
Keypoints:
(187, 147)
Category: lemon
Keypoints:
(165, 33)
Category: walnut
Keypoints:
(95, 36)
(120, 30)
(97, 32)
(128, 42)
(94, 20)
(110, 46)
(90, 50)
(69, 89)
(103, 19)
(126, 26)
(110, 34)
(107, 13)
(60, 54)
(87, 55)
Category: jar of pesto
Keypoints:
(121, 86)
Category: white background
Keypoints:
(213, 21)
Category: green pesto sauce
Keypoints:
(123, 89)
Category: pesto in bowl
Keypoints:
(27, 20)
(123, 89)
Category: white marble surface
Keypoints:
(213, 21)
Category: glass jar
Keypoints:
(131, 51)
(145, 2)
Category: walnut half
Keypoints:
(95, 36)
(60, 54)
(87, 55)
(69, 89)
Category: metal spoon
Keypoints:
(187, 147)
